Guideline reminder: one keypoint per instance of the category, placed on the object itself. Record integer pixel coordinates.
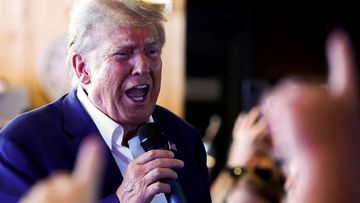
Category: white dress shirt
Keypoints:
(113, 134)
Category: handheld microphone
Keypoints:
(151, 138)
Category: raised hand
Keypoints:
(316, 130)
(79, 187)
(249, 137)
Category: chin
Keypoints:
(137, 119)
(136, 114)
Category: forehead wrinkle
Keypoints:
(128, 36)
(128, 43)
(138, 35)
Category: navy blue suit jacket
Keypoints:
(40, 142)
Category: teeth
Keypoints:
(141, 86)
(138, 93)
(138, 98)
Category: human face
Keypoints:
(123, 71)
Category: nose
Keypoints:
(141, 65)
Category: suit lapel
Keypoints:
(76, 121)
(78, 125)
(169, 128)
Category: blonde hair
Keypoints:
(128, 13)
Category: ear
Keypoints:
(79, 65)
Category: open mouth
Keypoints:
(137, 93)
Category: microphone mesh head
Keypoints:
(151, 137)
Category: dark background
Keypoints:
(248, 47)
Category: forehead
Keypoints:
(126, 36)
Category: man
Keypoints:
(115, 56)
(316, 131)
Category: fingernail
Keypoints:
(182, 164)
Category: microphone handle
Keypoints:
(176, 195)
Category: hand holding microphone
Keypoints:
(152, 138)
(142, 180)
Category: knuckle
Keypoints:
(152, 154)
(157, 172)
(157, 163)
(138, 172)
(157, 186)
(135, 171)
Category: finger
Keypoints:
(252, 117)
(89, 163)
(156, 188)
(158, 174)
(62, 188)
(163, 163)
(238, 123)
(260, 130)
(39, 193)
(342, 79)
(154, 154)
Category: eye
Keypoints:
(153, 52)
(122, 55)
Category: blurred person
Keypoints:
(3, 85)
(114, 59)
(315, 130)
(13, 101)
(256, 185)
(251, 174)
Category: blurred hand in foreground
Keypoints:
(315, 130)
(79, 187)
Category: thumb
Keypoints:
(89, 166)
(342, 80)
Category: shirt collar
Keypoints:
(105, 125)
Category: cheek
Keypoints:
(157, 78)
(116, 75)
(110, 85)
(157, 73)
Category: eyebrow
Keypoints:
(131, 44)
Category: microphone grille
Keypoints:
(151, 137)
